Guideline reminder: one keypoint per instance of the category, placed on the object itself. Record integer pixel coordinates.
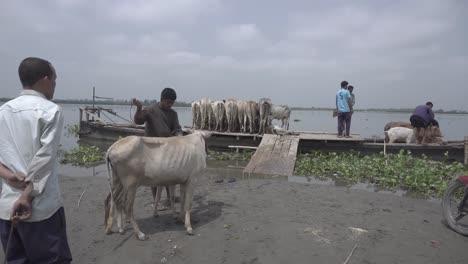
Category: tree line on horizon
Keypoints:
(185, 104)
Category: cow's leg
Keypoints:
(172, 199)
(183, 189)
(245, 124)
(129, 202)
(188, 207)
(110, 214)
(119, 221)
(156, 199)
(251, 124)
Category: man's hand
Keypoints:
(16, 180)
(137, 103)
(22, 209)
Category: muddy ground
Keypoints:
(265, 221)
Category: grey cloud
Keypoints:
(396, 53)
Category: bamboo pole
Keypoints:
(466, 150)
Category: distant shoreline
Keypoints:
(184, 104)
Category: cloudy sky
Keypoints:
(395, 53)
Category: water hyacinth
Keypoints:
(403, 170)
(83, 156)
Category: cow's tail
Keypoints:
(110, 197)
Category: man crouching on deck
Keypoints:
(160, 120)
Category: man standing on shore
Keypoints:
(160, 120)
(32, 218)
(344, 108)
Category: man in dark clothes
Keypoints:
(160, 119)
(422, 118)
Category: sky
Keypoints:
(395, 53)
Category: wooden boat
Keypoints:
(94, 126)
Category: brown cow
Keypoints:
(397, 124)
(429, 135)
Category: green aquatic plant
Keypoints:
(82, 156)
(402, 170)
(72, 130)
(230, 155)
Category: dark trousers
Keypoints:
(42, 242)
(344, 120)
(417, 121)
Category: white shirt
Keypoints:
(30, 129)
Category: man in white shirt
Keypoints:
(30, 198)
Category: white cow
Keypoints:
(231, 114)
(196, 115)
(242, 115)
(206, 113)
(400, 134)
(219, 114)
(281, 112)
(251, 114)
(264, 106)
(151, 161)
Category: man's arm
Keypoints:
(15, 180)
(350, 100)
(336, 102)
(432, 113)
(140, 114)
(43, 162)
(177, 130)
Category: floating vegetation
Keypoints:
(83, 156)
(403, 170)
(244, 155)
(72, 130)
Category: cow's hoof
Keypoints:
(121, 231)
(142, 237)
(108, 231)
(190, 231)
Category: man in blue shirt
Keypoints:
(344, 108)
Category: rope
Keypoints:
(108, 118)
(8, 242)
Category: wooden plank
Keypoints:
(270, 161)
(321, 132)
(281, 164)
(293, 154)
(328, 137)
(267, 151)
(242, 147)
(276, 155)
(263, 148)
